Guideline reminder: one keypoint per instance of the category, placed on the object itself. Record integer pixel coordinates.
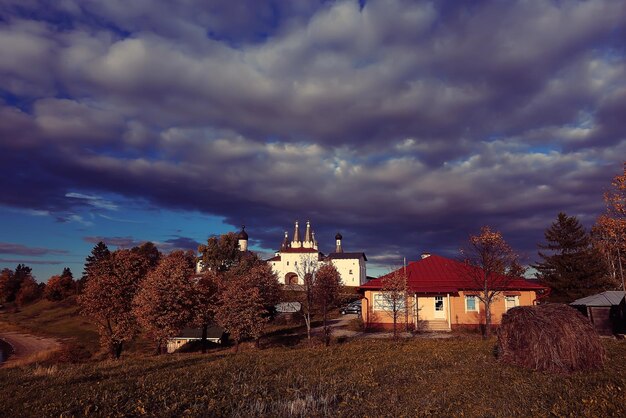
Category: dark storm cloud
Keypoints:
(179, 243)
(120, 242)
(18, 249)
(406, 125)
(32, 262)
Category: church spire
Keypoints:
(338, 247)
(285, 243)
(296, 243)
(307, 234)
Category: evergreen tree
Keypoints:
(573, 268)
(99, 252)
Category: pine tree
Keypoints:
(99, 252)
(573, 268)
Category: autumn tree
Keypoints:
(149, 252)
(6, 284)
(393, 298)
(220, 253)
(99, 252)
(165, 301)
(241, 310)
(303, 293)
(608, 239)
(29, 292)
(490, 264)
(60, 287)
(326, 291)
(572, 267)
(609, 233)
(206, 293)
(108, 296)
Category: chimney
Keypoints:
(425, 255)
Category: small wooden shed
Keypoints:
(606, 311)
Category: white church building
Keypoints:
(297, 257)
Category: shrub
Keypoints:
(553, 337)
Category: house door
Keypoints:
(440, 313)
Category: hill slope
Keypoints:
(365, 377)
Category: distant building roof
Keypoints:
(213, 332)
(608, 298)
(436, 274)
(341, 256)
(299, 250)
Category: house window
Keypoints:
(287, 262)
(295, 263)
(382, 303)
(471, 303)
(510, 302)
(350, 271)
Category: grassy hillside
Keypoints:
(62, 320)
(53, 319)
(459, 376)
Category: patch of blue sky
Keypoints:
(23, 103)
(546, 149)
(69, 230)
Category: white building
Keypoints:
(297, 257)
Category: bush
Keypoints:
(553, 337)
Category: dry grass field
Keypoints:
(455, 377)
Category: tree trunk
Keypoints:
(117, 350)
(204, 335)
(307, 320)
(395, 325)
(487, 332)
(236, 347)
(326, 329)
(158, 348)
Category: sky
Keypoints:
(405, 125)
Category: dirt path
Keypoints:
(26, 345)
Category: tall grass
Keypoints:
(459, 376)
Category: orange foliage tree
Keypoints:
(108, 296)
(206, 293)
(60, 287)
(490, 265)
(165, 301)
(326, 290)
(241, 310)
(30, 291)
(609, 232)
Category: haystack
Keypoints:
(552, 337)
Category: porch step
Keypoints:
(435, 325)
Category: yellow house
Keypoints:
(442, 296)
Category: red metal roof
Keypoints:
(436, 274)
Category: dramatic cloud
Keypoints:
(30, 262)
(17, 249)
(406, 125)
(120, 242)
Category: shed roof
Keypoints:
(191, 333)
(608, 298)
